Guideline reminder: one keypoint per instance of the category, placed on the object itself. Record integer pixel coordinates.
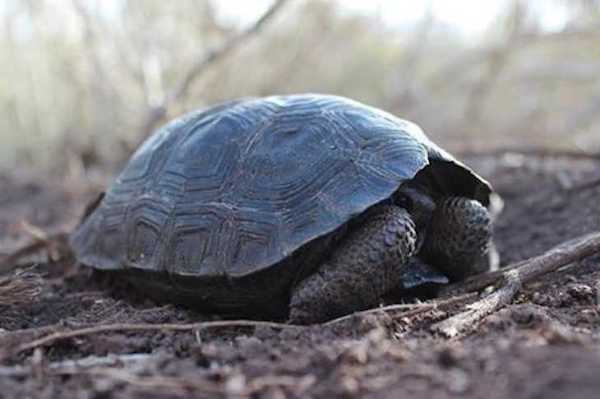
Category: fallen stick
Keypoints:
(512, 279)
(408, 309)
(9, 261)
(124, 327)
(21, 287)
(55, 245)
(584, 185)
(555, 258)
(456, 324)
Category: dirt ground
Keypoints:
(544, 345)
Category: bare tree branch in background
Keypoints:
(91, 44)
(583, 119)
(412, 61)
(181, 88)
(95, 88)
(496, 62)
(94, 31)
(100, 83)
(525, 42)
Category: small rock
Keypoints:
(235, 384)
(358, 354)
(580, 291)
(350, 385)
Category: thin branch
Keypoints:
(512, 279)
(91, 45)
(412, 60)
(9, 262)
(19, 288)
(181, 88)
(34, 231)
(526, 41)
(124, 327)
(475, 312)
(497, 62)
(555, 258)
(55, 245)
(584, 185)
(407, 309)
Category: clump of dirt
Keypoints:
(546, 344)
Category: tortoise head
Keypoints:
(419, 204)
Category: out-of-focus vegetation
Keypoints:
(81, 79)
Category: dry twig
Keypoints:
(9, 262)
(584, 185)
(407, 309)
(21, 287)
(512, 279)
(124, 327)
(55, 245)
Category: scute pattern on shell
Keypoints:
(239, 187)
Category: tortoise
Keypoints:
(302, 206)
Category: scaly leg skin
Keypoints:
(459, 238)
(366, 264)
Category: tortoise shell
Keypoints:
(236, 189)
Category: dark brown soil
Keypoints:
(545, 345)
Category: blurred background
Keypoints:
(84, 81)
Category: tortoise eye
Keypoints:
(404, 201)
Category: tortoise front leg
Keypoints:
(366, 264)
(459, 238)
